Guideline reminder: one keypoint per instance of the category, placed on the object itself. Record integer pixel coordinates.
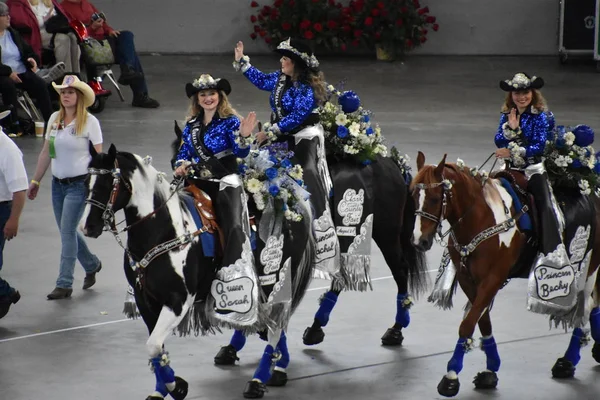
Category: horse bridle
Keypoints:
(108, 215)
(446, 194)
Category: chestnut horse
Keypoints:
(474, 204)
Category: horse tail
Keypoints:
(416, 260)
(304, 270)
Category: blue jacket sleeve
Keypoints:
(185, 149)
(304, 105)
(536, 142)
(260, 79)
(501, 141)
(232, 132)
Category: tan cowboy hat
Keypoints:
(73, 81)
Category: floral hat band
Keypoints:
(521, 81)
(206, 81)
(288, 48)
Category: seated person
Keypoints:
(18, 67)
(132, 73)
(29, 18)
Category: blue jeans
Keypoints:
(125, 54)
(68, 200)
(5, 208)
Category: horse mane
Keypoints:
(452, 172)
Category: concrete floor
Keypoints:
(84, 348)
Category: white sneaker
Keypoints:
(57, 71)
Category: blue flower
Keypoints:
(369, 131)
(242, 168)
(342, 132)
(273, 159)
(366, 118)
(366, 162)
(274, 190)
(299, 182)
(576, 164)
(584, 135)
(597, 168)
(286, 163)
(271, 173)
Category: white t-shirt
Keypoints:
(13, 177)
(40, 12)
(72, 152)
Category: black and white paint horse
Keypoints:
(171, 277)
(393, 223)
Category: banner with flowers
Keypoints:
(349, 132)
(571, 161)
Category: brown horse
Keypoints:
(473, 204)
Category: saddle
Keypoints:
(205, 209)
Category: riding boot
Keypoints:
(550, 289)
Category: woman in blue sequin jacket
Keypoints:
(297, 91)
(213, 137)
(525, 126)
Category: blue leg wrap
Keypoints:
(595, 324)
(284, 361)
(402, 314)
(327, 303)
(491, 353)
(572, 353)
(161, 374)
(456, 362)
(263, 372)
(238, 340)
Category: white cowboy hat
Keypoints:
(4, 114)
(73, 81)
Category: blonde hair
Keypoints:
(225, 109)
(47, 3)
(81, 113)
(537, 101)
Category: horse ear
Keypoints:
(177, 130)
(112, 151)
(440, 168)
(420, 160)
(259, 126)
(92, 149)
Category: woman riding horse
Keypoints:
(297, 90)
(521, 137)
(213, 138)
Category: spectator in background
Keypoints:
(13, 186)
(18, 67)
(29, 18)
(126, 56)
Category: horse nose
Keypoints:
(424, 244)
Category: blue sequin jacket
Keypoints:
(298, 101)
(528, 142)
(219, 136)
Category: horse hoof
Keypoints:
(226, 356)
(181, 389)
(563, 369)
(279, 378)
(596, 352)
(313, 336)
(392, 337)
(448, 387)
(254, 390)
(486, 380)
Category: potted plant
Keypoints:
(391, 27)
(316, 21)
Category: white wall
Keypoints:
(474, 27)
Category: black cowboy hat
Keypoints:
(205, 82)
(521, 81)
(299, 51)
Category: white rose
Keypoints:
(341, 119)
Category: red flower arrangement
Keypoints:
(317, 21)
(396, 26)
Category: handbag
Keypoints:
(57, 24)
(97, 52)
